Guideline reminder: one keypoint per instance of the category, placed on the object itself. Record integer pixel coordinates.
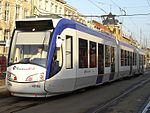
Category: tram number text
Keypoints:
(36, 86)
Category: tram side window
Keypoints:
(100, 59)
(107, 56)
(83, 53)
(92, 54)
(144, 60)
(112, 55)
(128, 58)
(112, 59)
(125, 54)
(135, 58)
(140, 56)
(122, 57)
(131, 59)
(57, 60)
(69, 55)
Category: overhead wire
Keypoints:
(97, 6)
(148, 3)
(124, 15)
(121, 9)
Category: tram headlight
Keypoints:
(11, 76)
(35, 77)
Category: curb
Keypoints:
(3, 91)
(2, 82)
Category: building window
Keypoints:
(52, 9)
(17, 11)
(40, 4)
(83, 53)
(1, 32)
(6, 11)
(6, 35)
(25, 13)
(69, 51)
(46, 4)
(56, 8)
(93, 55)
(60, 10)
(0, 9)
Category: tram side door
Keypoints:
(131, 62)
(112, 63)
(70, 66)
(100, 63)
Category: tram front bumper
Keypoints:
(33, 89)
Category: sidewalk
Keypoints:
(2, 82)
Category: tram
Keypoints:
(54, 56)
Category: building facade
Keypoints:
(10, 10)
(57, 8)
(48, 7)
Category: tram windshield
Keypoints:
(30, 47)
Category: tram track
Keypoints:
(111, 102)
(14, 104)
(19, 105)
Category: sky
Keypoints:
(137, 26)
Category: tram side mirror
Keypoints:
(58, 41)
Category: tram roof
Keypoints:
(71, 24)
(126, 44)
(65, 23)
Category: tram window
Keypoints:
(107, 56)
(125, 60)
(57, 61)
(122, 57)
(128, 58)
(100, 59)
(112, 55)
(140, 59)
(144, 60)
(112, 59)
(135, 58)
(131, 58)
(69, 59)
(92, 54)
(83, 53)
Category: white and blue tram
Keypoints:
(73, 56)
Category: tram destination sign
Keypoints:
(37, 25)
